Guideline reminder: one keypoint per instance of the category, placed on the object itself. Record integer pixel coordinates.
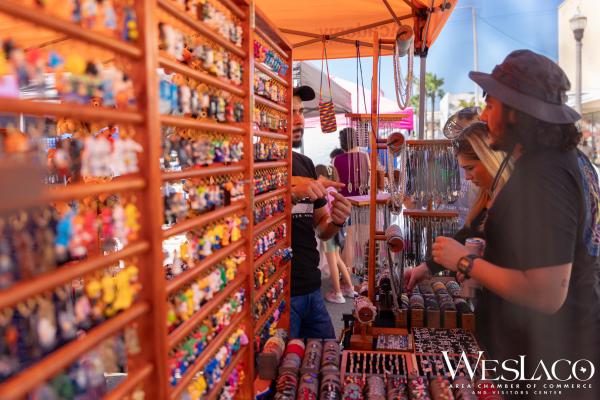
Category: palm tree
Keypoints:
(433, 89)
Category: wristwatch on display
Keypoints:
(465, 264)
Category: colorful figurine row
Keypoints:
(270, 150)
(269, 179)
(266, 87)
(268, 57)
(180, 152)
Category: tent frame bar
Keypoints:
(391, 10)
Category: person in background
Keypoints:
(541, 268)
(353, 165)
(334, 153)
(332, 249)
(480, 165)
(308, 315)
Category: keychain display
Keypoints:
(269, 239)
(219, 19)
(454, 341)
(186, 148)
(268, 209)
(268, 119)
(420, 232)
(270, 58)
(263, 272)
(40, 324)
(77, 79)
(266, 180)
(433, 176)
(268, 330)
(233, 384)
(113, 17)
(183, 96)
(191, 298)
(269, 88)
(193, 197)
(202, 242)
(270, 150)
(267, 300)
(85, 376)
(211, 374)
(184, 354)
(199, 53)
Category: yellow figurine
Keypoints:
(108, 289)
(132, 216)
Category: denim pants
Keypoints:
(309, 317)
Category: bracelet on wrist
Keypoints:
(338, 225)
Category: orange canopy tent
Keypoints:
(306, 23)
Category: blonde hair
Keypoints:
(472, 143)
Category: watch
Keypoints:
(465, 264)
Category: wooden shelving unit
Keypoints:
(149, 370)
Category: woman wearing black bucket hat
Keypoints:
(540, 271)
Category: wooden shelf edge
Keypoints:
(200, 76)
(186, 327)
(269, 222)
(204, 357)
(203, 171)
(212, 395)
(271, 135)
(265, 70)
(271, 42)
(208, 262)
(271, 104)
(381, 117)
(274, 278)
(67, 110)
(428, 142)
(270, 164)
(200, 27)
(234, 9)
(270, 252)
(65, 273)
(131, 382)
(203, 219)
(263, 319)
(185, 122)
(42, 19)
(265, 196)
(432, 213)
(21, 384)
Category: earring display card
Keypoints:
(454, 341)
(394, 342)
(366, 363)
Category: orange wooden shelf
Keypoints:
(133, 380)
(200, 27)
(271, 135)
(200, 76)
(268, 195)
(65, 273)
(269, 222)
(270, 164)
(185, 122)
(263, 319)
(216, 169)
(433, 213)
(18, 386)
(274, 278)
(271, 251)
(67, 110)
(42, 19)
(187, 326)
(271, 43)
(203, 265)
(266, 70)
(203, 219)
(271, 104)
(234, 9)
(207, 353)
(214, 392)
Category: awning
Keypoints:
(305, 23)
(311, 76)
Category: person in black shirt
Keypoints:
(480, 164)
(309, 317)
(540, 270)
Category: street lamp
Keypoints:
(578, 23)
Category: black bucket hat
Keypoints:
(531, 83)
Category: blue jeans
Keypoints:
(309, 317)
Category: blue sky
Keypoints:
(502, 26)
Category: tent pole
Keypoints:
(373, 194)
(423, 69)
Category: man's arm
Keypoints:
(327, 225)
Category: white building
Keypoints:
(590, 63)
(451, 103)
